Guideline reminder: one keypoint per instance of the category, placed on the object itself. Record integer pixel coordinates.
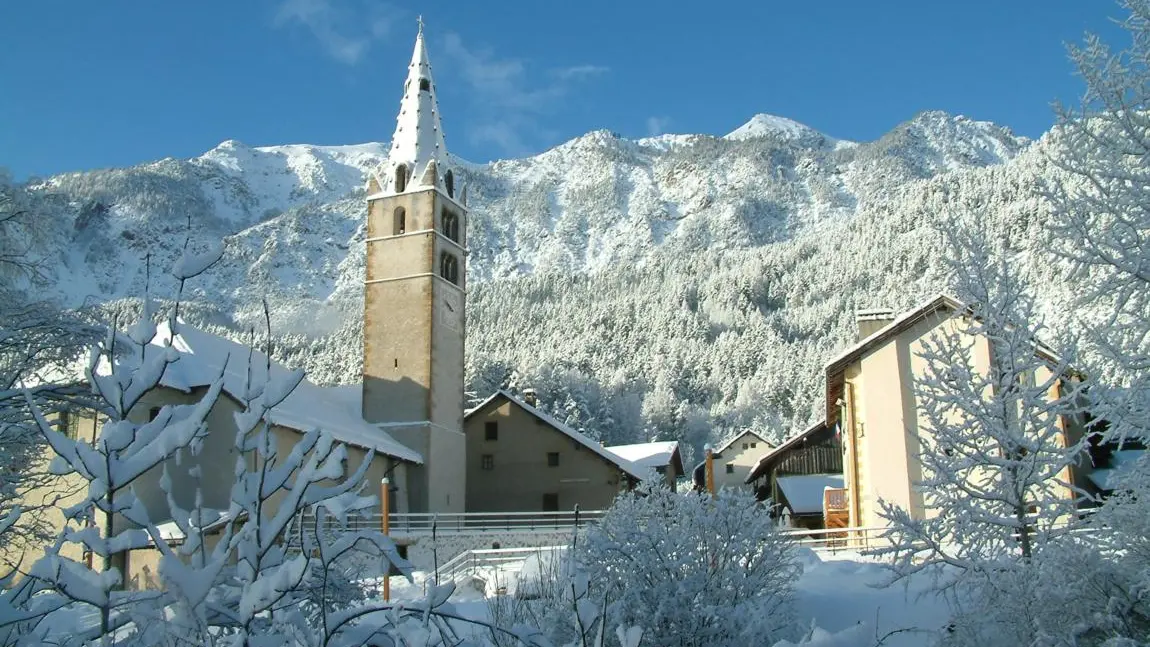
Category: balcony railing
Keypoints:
(835, 500)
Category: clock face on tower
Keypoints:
(451, 311)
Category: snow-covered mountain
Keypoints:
(729, 252)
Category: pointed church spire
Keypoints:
(418, 157)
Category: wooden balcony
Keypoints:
(836, 508)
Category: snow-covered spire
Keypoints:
(418, 157)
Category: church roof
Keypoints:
(627, 466)
(204, 355)
(418, 140)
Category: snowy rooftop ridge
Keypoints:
(657, 454)
(731, 440)
(203, 356)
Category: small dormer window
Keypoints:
(424, 85)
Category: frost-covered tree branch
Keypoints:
(1101, 227)
(692, 570)
(995, 444)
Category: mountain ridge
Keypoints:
(598, 209)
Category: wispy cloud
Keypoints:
(345, 29)
(509, 97)
(657, 125)
(578, 72)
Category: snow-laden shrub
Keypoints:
(692, 569)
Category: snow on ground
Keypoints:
(839, 601)
(841, 595)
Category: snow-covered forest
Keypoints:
(736, 261)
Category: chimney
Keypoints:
(872, 320)
(529, 397)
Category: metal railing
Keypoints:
(834, 540)
(493, 563)
(473, 523)
(480, 562)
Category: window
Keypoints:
(449, 268)
(424, 85)
(400, 220)
(152, 413)
(491, 431)
(449, 182)
(661, 469)
(551, 503)
(451, 225)
(745, 445)
(400, 178)
(754, 445)
(487, 461)
(553, 459)
(730, 469)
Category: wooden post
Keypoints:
(385, 513)
(710, 469)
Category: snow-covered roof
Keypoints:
(760, 466)
(804, 492)
(647, 454)
(418, 140)
(1121, 462)
(898, 323)
(739, 437)
(836, 365)
(203, 355)
(623, 464)
(212, 519)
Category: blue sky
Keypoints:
(97, 84)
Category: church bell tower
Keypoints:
(414, 319)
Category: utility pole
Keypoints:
(385, 508)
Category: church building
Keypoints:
(414, 323)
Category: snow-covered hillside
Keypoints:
(679, 285)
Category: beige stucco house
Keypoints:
(870, 399)
(52, 496)
(734, 459)
(521, 459)
(202, 358)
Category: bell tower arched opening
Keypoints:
(401, 178)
